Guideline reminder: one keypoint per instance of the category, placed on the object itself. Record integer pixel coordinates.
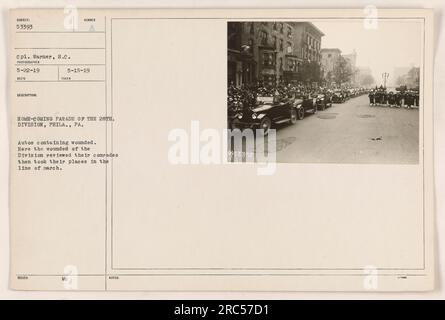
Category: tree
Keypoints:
(311, 72)
(342, 71)
(411, 79)
(401, 80)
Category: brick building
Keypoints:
(270, 52)
(351, 60)
(329, 60)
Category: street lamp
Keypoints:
(385, 76)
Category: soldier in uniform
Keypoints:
(384, 98)
(371, 96)
(377, 97)
(391, 99)
(402, 99)
(409, 99)
(416, 96)
(398, 99)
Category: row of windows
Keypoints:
(305, 53)
(277, 43)
(277, 26)
(310, 54)
(312, 42)
(293, 65)
(269, 60)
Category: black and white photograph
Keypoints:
(334, 90)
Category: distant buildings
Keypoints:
(406, 76)
(271, 52)
(351, 60)
(330, 58)
(397, 73)
(364, 77)
(338, 68)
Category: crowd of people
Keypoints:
(402, 97)
(246, 94)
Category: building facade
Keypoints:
(330, 58)
(351, 60)
(270, 52)
(407, 76)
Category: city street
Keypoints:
(352, 132)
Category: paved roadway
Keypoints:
(352, 132)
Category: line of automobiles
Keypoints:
(266, 111)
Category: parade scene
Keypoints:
(326, 105)
(399, 98)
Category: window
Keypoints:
(289, 47)
(281, 45)
(268, 59)
(329, 55)
(274, 39)
(252, 29)
(275, 26)
(263, 37)
(281, 27)
(289, 32)
(281, 63)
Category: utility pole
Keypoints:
(385, 76)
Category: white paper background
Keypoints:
(438, 5)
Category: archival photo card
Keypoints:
(332, 90)
(221, 150)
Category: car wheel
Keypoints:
(293, 116)
(300, 113)
(234, 124)
(323, 106)
(265, 125)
